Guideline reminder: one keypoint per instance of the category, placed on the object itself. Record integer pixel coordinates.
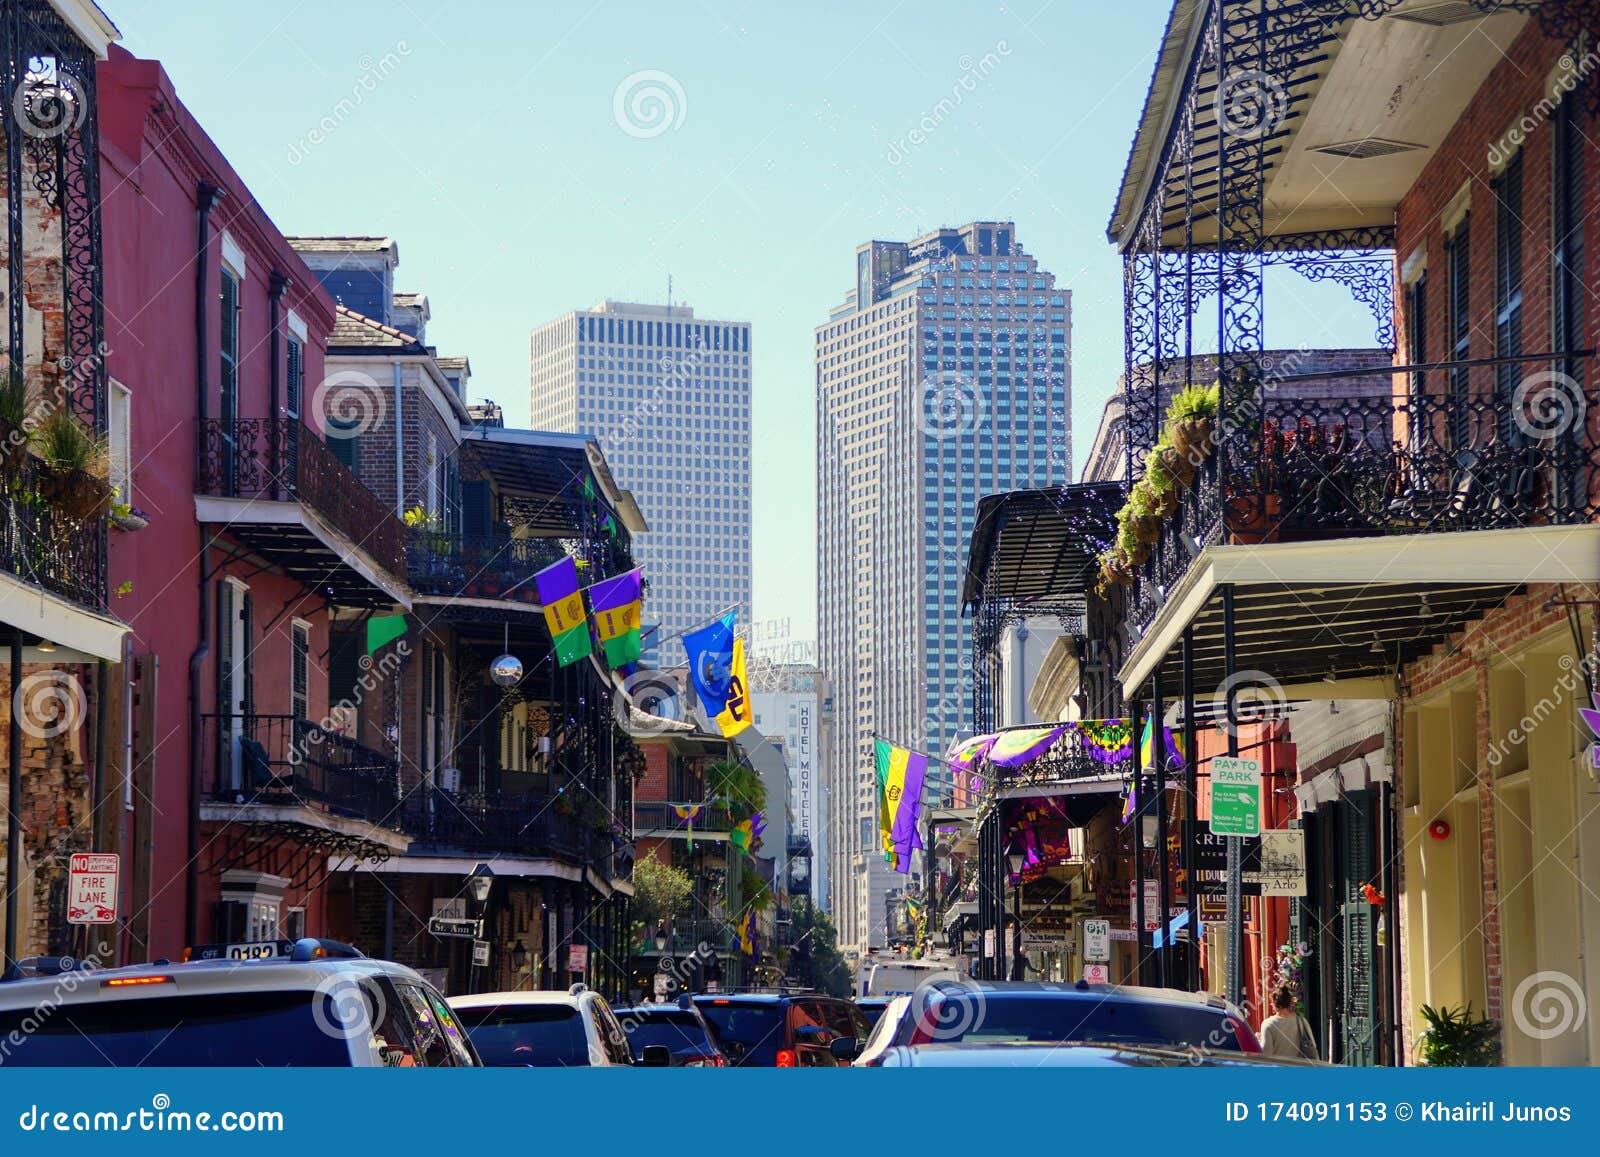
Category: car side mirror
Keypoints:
(656, 1057)
(845, 1048)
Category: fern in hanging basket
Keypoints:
(74, 467)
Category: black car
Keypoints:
(680, 1027)
(782, 1029)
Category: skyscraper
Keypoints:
(942, 377)
(668, 395)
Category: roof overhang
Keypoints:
(1396, 83)
(292, 537)
(1341, 613)
(317, 824)
(1032, 546)
(78, 634)
(543, 463)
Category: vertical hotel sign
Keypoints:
(805, 750)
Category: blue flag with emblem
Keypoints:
(717, 668)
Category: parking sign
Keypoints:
(92, 888)
(1235, 796)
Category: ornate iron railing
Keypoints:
(282, 460)
(43, 546)
(520, 823)
(481, 566)
(1297, 468)
(274, 759)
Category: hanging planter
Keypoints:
(75, 492)
(73, 468)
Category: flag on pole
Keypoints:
(615, 604)
(746, 835)
(557, 585)
(900, 776)
(717, 667)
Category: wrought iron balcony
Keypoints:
(1299, 468)
(477, 566)
(661, 818)
(278, 760)
(517, 823)
(283, 460)
(40, 544)
(688, 937)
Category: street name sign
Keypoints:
(1097, 941)
(450, 927)
(92, 887)
(1235, 796)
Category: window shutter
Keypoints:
(299, 691)
(344, 666)
(225, 612)
(475, 508)
(247, 615)
(345, 444)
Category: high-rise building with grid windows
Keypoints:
(944, 376)
(668, 396)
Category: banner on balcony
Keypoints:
(557, 585)
(615, 604)
(964, 753)
(901, 773)
(716, 665)
(1014, 748)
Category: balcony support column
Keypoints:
(13, 806)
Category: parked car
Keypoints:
(873, 1006)
(1070, 1056)
(322, 1004)
(681, 1028)
(781, 1029)
(959, 1010)
(568, 1029)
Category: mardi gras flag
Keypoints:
(716, 665)
(966, 752)
(900, 775)
(563, 610)
(1171, 745)
(747, 932)
(1014, 748)
(688, 813)
(746, 835)
(615, 604)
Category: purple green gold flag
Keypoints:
(616, 604)
(1013, 748)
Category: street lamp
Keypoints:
(661, 937)
(478, 885)
(1014, 858)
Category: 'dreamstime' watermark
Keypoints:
(973, 74)
(1570, 73)
(373, 72)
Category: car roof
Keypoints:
(1029, 1054)
(189, 979)
(522, 996)
(1128, 992)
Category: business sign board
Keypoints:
(92, 887)
(1283, 863)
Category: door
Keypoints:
(233, 676)
(1358, 980)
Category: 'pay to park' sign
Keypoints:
(1235, 796)
(92, 888)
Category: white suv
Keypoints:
(321, 1004)
(549, 1029)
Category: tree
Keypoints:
(815, 959)
(660, 891)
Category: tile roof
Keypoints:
(356, 330)
(341, 244)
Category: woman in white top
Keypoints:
(1286, 1033)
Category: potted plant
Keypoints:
(1128, 542)
(125, 516)
(1457, 1039)
(1192, 421)
(1164, 472)
(74, 467)
(1144, 513)
(15, 436)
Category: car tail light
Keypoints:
(131, 981)
(787, 1059)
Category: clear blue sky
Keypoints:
(484, 140)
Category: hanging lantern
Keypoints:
(506, 671)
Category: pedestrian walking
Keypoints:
(1286, 1033)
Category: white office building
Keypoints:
(943, 376)
(668, 396)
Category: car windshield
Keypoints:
(545, 1035)
(1054, 1017)
(231, 1029)
(682, 1032)
(754, 1029)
